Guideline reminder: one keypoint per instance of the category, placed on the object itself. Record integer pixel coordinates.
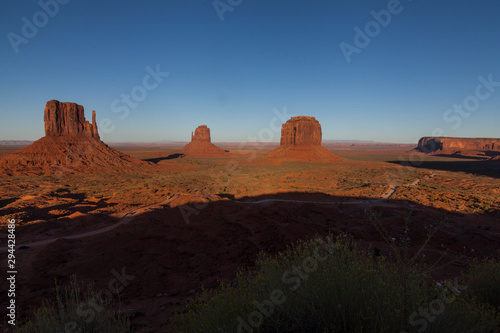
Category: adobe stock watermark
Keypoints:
(453, 116)
(266, 134)
(233, 168)
(40, 19)
(89, 309)
(138, 94)
(223, 6)
(372, 29)
(293, 279)
(471, 103)
(428, 313)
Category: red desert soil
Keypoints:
(209, 228)
(171, 258)
(173, 225)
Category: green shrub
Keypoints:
(349, 291)
(463, 315)
(77, 309)
(483, 280)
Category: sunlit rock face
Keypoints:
(71, 145)
(201, 145)
(447, 144)
(68, 119)
(301, 130)
(301, 141)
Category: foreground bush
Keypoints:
(333, 286)
(483, 280)
(77, 309)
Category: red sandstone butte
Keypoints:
(301, 141)
(202, 133)
(67, 119)
(71, 145)
(453, 145)
(301, 130)
(201, 145)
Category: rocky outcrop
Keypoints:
(452, 145)
(202, 133)
(301, 130)
(201, 145)
(68, 119)
(301, 141)
(70, 145)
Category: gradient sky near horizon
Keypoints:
(265, 56)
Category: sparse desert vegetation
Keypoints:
(333, 286)
(202, 235)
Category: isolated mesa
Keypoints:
(301, 141)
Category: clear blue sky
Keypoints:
(264, 55)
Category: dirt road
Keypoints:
(125, 219)
(131, 215)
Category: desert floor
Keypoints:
(186, 223)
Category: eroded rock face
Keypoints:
(70, 145)
(201, 145)
(202, 133)
(68, 119)
(447, 144)
(301, 141)
(301, 130)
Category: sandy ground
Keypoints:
(191, 222)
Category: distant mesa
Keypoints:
(70, 145)
(301, 141)
(15, 142)
(201, 145)
(449, 145)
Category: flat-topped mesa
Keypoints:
(202, 133)
(448, 144)
(301, 141)
(68, 119)
(301, 130)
